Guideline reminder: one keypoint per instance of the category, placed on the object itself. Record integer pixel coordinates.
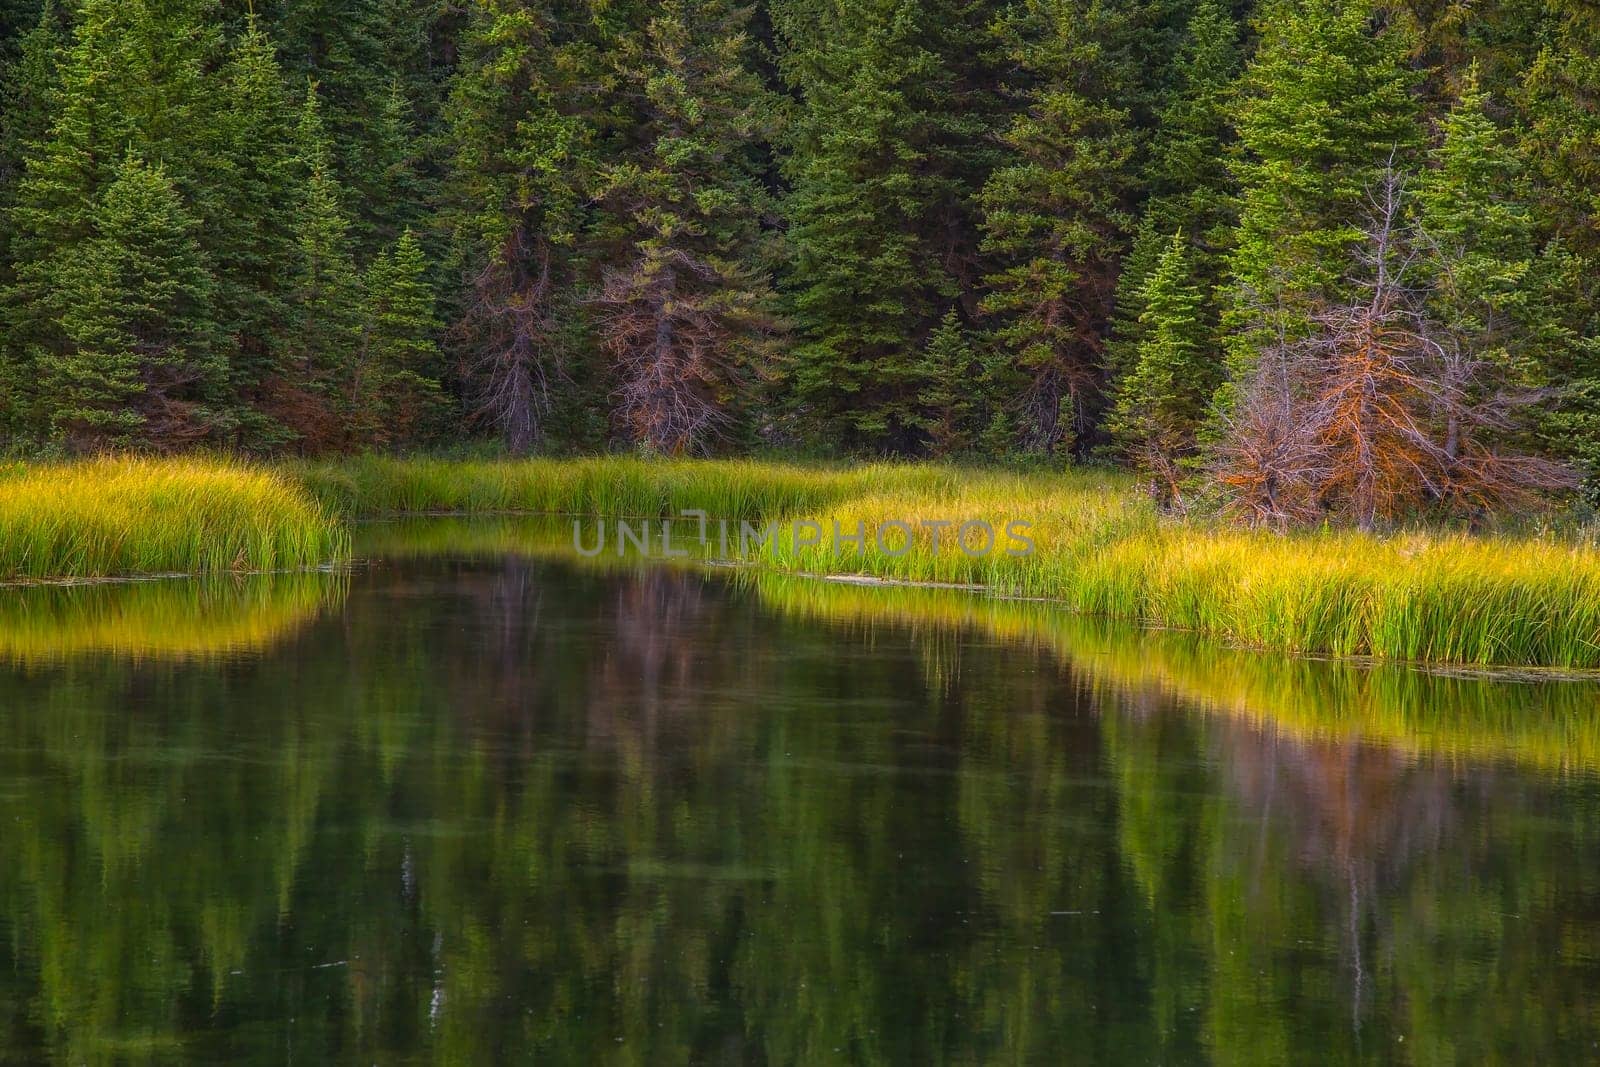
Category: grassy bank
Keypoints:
(1541, 722)
(1099, 548)
(124, 516)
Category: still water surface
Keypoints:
(486, 808)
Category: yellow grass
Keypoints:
(128, 516)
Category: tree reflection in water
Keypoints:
(483, 808)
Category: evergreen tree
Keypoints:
(1480, 234)
(947, 399)
(1162, 400)
(524, 113)
(1328, 102)
(325, 294)
(1057, 216)
(131, 81)
(255, 245)
(1559, 100)
(686, 311)
(1190, 186)
(28, 80)
(368, 58)
(138, 365)
(886, 148)
(394, 396)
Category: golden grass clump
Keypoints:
(130, 516)
(1099, 547)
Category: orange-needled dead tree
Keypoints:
(1378, 412)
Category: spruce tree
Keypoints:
(685, 307)
(1056, 217)
(1559, 101)
(133, 80)
(1162, 401)
(255, 252)
(368, 57)
(948, 400)
(1480, 236)
(1328, 103)
(887, 144)
(1187, 176)
(138, 364)
(525, 112)
(394, 397)
(325, 293)
(28, 81)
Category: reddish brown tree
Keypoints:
(1379, 412)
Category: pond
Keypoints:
(478, 803)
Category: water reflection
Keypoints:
(488, 809)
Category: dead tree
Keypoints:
(682, 332)
(1377, 411)
(512, 347)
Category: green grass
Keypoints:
(129, 516)
(1540, 721)
(1101, 549)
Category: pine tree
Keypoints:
(139, 365)
(1559, 100)
(28, 79)
(255, 245)
(1056, 217)
(1481, 237)
(1328, 102)
(947, 400)
(686, 311)
(367, 56)
(131, 81)
(1559, 104)
(394, 397)
(887, 145)
(524, 114)
(325, 295)
(1162, 401)
(1190, 185)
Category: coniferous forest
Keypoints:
(1298, 258)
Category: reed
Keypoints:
(1541, 721)
(1099, 548)
(131, 516)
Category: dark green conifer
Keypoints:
(1056, 217)
(139, 364)
(1162, 400)
(394, 396)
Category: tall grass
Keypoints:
(128, 516)
(1543, 722)
(1099, 548)
(615, 486)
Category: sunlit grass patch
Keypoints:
(1097, 546)
(128, 516)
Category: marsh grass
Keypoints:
(1540, 721)
(1099, 548)
(131, 516)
